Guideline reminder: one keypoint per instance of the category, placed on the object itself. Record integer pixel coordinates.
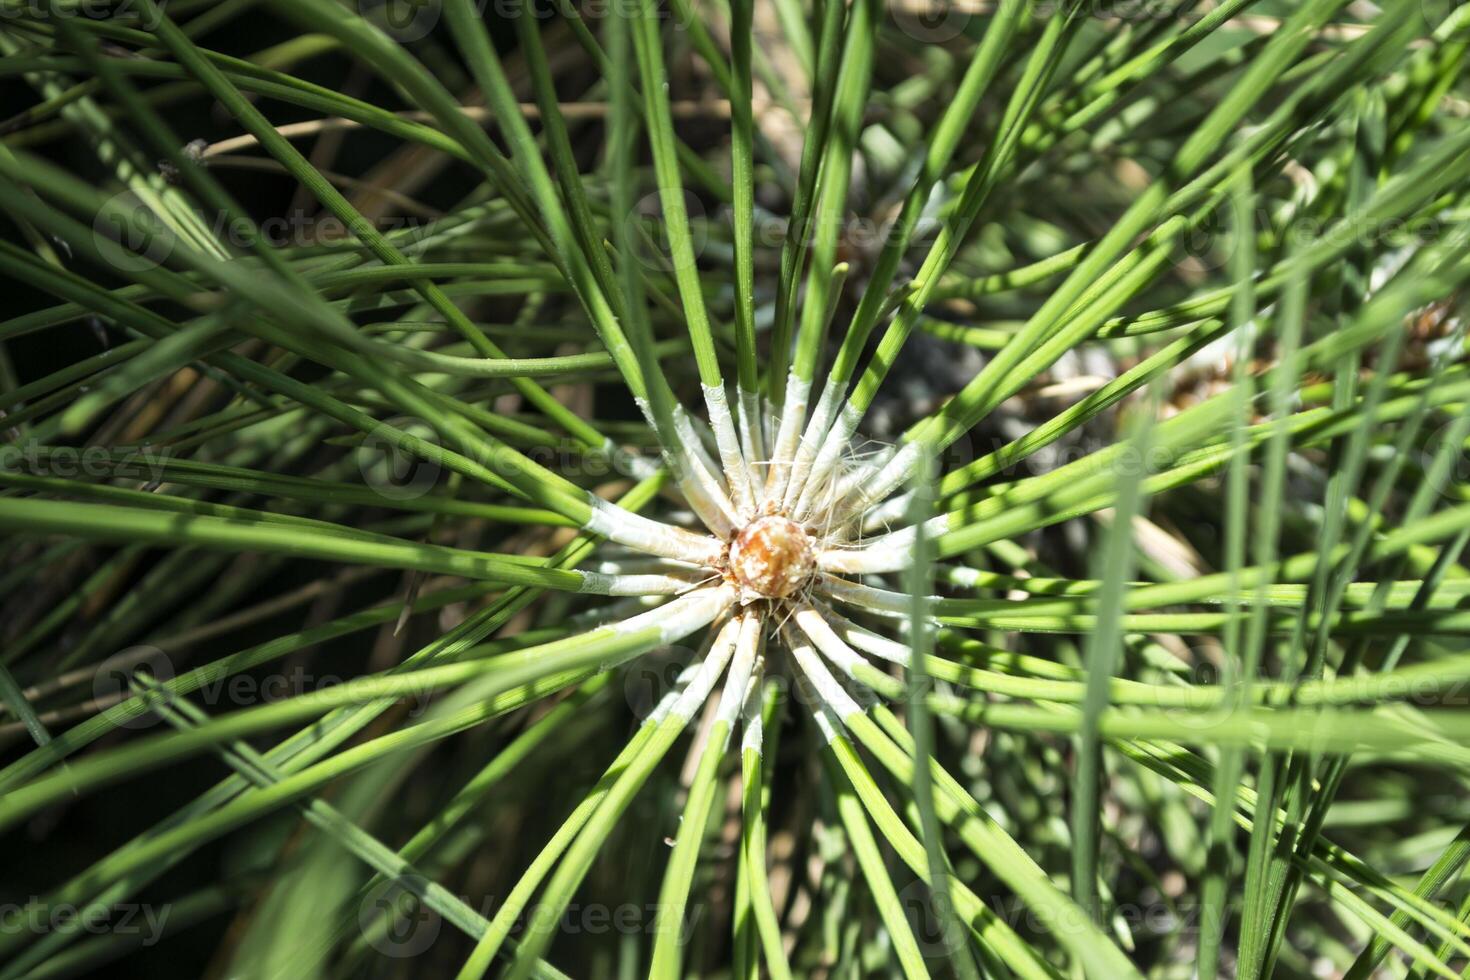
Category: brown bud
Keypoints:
(771, 558)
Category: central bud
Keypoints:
(771, 558)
